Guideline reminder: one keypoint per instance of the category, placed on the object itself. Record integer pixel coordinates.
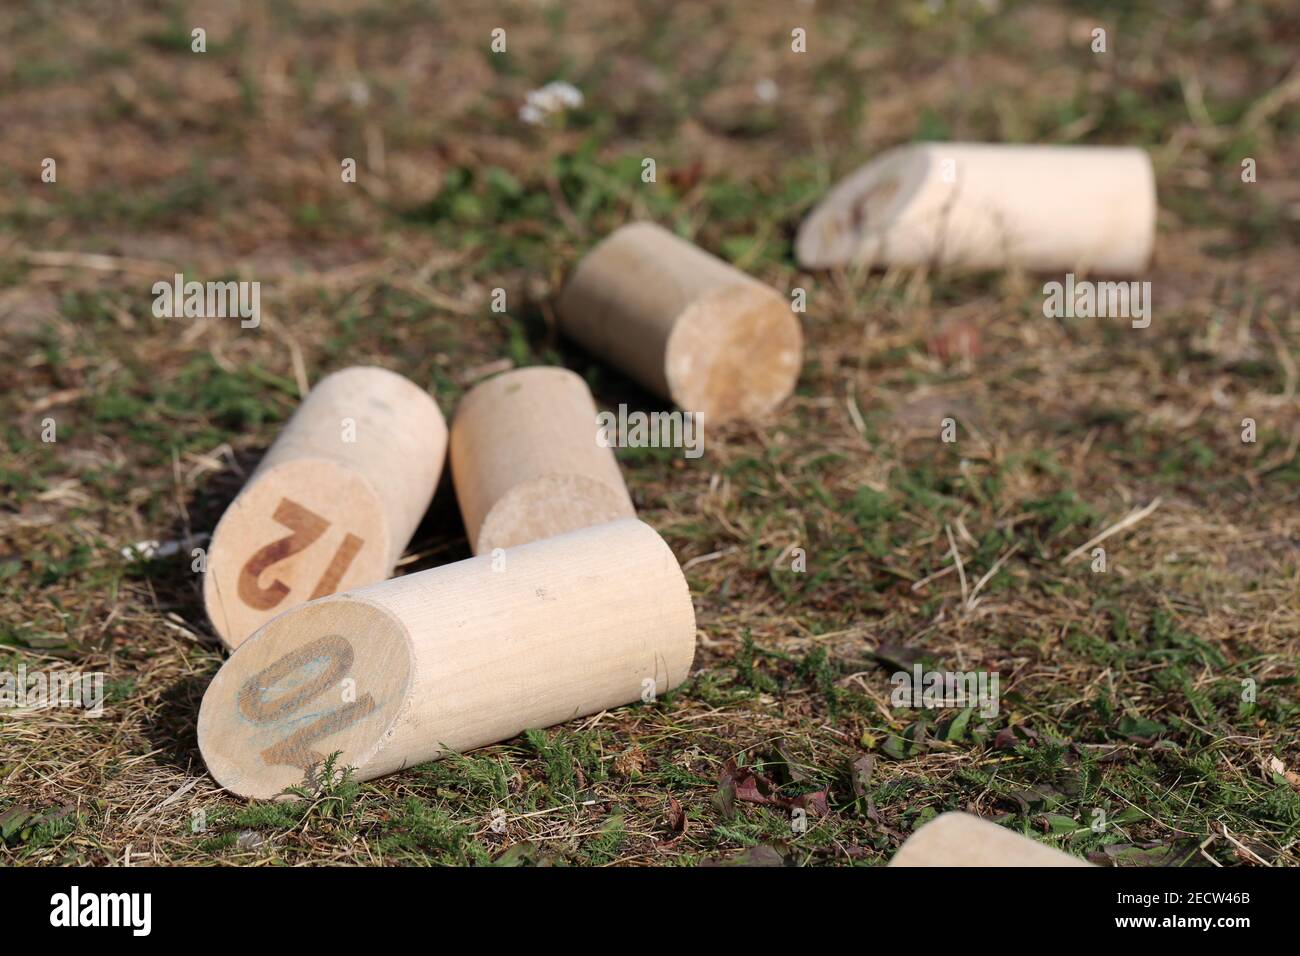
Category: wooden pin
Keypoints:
(449, 659)
(684, 324)
(526, 463)
(332, 504)
(979, 206)
(962, 839)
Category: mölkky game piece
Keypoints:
(332, 504)
(684, 324)
(963, 839)
(979, 206)
(526, 462)
(453, 658)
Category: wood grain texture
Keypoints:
(684, 324)
(332, 504)
(453, 658)
(980, 206)
(526, 463)
(962, 839)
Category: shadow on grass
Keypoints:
(172, 730)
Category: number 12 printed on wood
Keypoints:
(333, 504)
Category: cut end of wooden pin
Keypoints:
(838, 231)
(548, 506)
(963, 839)
(333, 673)
(734, 353)
(252, 576)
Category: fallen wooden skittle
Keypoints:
(684, 324)
(450, 659)
(983, 206)
(962, 839)
(526, 463)
(332, 504)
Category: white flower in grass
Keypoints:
(766, 91)
(551, 100)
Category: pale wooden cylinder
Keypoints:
(333, 503)
(962, 839)
(526, 463)
(684, 324)
(979, 206)
(452, 658)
